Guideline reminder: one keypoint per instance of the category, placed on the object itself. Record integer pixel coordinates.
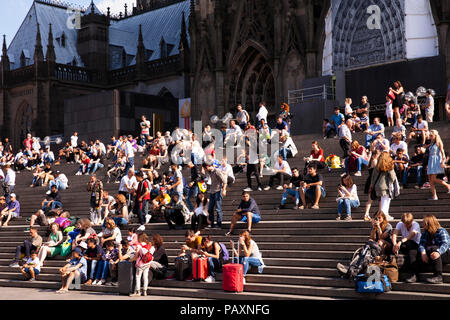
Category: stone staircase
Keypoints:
(300, 248)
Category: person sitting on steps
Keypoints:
(312, 188)
(247, 211)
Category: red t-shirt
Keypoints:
(142, 186)
(318, 154)
(155, 152)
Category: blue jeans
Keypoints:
(417, 170)
(215, 200)
(129, 165)
(120, 221)
(370, 138)
(93, 167)
(102, 270)
(58, 185)
(348, 204)
(290, 192)
(91, 264)
(213, 266)
(248, 262)
(285, 152)
(193, 192)
(53, 205)
(359, 162)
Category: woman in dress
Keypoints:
(436, 163)
(398, 101)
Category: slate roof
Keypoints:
(123, 34)
(44, 14)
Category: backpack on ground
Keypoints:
(373, 281)
(362, 258)
(333, 161)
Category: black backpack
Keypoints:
(362, 258)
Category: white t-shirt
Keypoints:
(348, 109)
(10, 178)
(430, 101)
(63, 179)
(146, 129)
(34, 263)
(401, 145)
(178, 175)
(129, 151)
(422, 125)
(405, 233)
(127, 181)
(108, 233)
(262, 114)
(283, 165)
(74, 141)
(354, 192)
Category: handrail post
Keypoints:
(324, 92)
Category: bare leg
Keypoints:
(233, 221)
(249, 220)
(302, 197)
(431, 179)
(8, 219)
(318, 194)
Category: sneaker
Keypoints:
(435, 280)
(338, 218)
(417, 187)
(190, 278)
(135, 294)
(411, 279)
(95, 282)
(210, 279)
(243, 281)
(315, 207)
(260, 189)
(228, 234)
(32, 279)
(172, 277)
(14, 265)
(141, 228)
(343, 174)
(279, 188)
(102, 282)
(324, 138)
(358, 174)
(426, 185)
(433, 199)
(267, 188)
(341, 269)
(148, 218)
(302, 207)
(348, 218)
(248, 189)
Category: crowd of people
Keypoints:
(159, 192)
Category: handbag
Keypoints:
(373, 193)
(394, 189)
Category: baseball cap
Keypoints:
(13, 195)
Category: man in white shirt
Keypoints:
(288, 147)
(145, 130)
(345, 137)
(429, 107)
(234, 134)
(10, 180)
(74, 140)
(177, 186)
(397, 143)
(409, 233)
(129, 154)
(36, 145)
(419, 130)
(262, 113)
(61, 181)
(281, 170)
(128, 185)
(228, 170)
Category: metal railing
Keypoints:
(320, 92)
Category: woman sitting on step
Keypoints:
(53, 244)
(434, 247)
(357, 158)
(382, 233)
(348, 197)
(249, 254)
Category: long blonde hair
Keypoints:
(431, 224)
(438, 140)
(385, 162)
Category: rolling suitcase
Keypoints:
(233, 276)
(182, 268)
(200, 268)
(126, 271)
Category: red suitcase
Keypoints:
(233, 276)
(200, 268)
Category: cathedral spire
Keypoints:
(50, 55)
(140, 55)
(38, 52)
(5, 58)
(183, 36)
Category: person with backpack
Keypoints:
(213, 252)
(434, 247)
(408, 233)
(251, 256)
(143, 258)
(142, 200)
(383, 178)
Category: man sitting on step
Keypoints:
(32, 244)
(281, 170)
(247, 211)
(312, 188)
(292, 189)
